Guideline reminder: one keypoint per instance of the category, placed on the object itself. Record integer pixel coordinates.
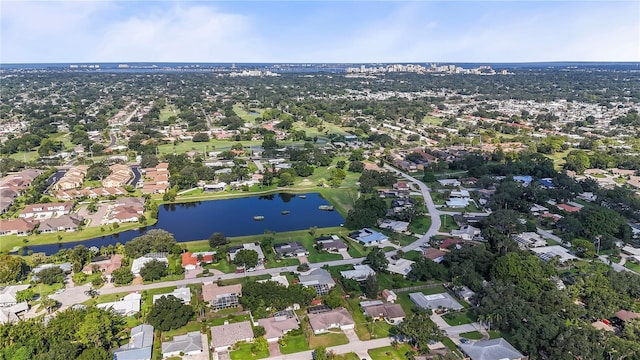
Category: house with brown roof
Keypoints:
(19, 226)
(105, 266)
(433, 254)
(221, 297)
(334, 319)
(66, 223)
(391, 313)
(190, 260)
(277, 326)
(120, 175)
(225, 336)
(626, 315)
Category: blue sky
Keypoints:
(326, 31)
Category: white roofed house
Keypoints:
(189, 345)
(359, 273)
(140, 262)
(400, 266)
(496, 349)
(8, 294)
(127, 306)
(139, 346)
(183, 294)
(249, 246)
(435, 301)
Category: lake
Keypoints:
(232, 217)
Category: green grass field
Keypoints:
(294, 344)
(244, 352)
(459, 318)
(420, 225)
(389, 353)
(327, 340)
(473, 335)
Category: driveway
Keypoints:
(74, 295)
(274, 349)
(96, 218)
(344, 253)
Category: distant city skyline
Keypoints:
(318, 32)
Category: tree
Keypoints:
(148, 161)
(169, 313)
(201, 137)
(246, 258)
(371, 287)
(258, 331)
(356, 166)
(583, 248)
(420, 329)
(12, 269)
(98, 171)
(333, 299)
(260, 344)
(122, 276)
(48, 303)
(217, 239)
(377, 260)
(25, 295)
(51, 275)
(155, 240)
(153, 270)
(320, 353)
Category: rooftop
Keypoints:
(229, 334)
(496, 349)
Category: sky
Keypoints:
(318, 32)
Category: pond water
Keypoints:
(232, 217)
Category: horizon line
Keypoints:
(325, 63)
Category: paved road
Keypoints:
(431, 208)
(273, 271)
(549, 235)
(358, 347)
(616, 267)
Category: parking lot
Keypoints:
(96, 218)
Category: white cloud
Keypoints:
(181, 34)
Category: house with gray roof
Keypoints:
(359, 273)
(319, 279)
(63, 223)
(139, 346)
(225, 336)
(390, 312)
(291, 249)
(277, 326)
(334, 319)
(13, 313)
(8, 294)
(496, 349)
(183, 294)
(189, 344)
(435, 301)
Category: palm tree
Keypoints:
(48, 303)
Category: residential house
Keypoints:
(389, 295)
(450, 243)
(139, 347)
(397, 226)
(546, 253)
(529, 239)
(46, 211)
(105, 266)
(20, 227)
(433, 254)
(277, 326)
(496, 349)
(249, 246)
(435, 301)
(524, 180)
(190, 260)
(368, 237)
(225, 336)
(67, 223)
(8, 294)
(127, 209)
(330, 243)
(14, 313)
(6, 199)
(217, 187)
(140, 262)
(467, 232)
(449, 182)
(359, 273)
(120, 176)
(334, 319)
(319, 279)
(189, 344)
(400, 266)
(72, 179)
(65, 267)
(568, 208)
(538, 210)
(464, 293)
(391, 313)
(127, 306)
(156, 180)
(290, 249)
(183, 294)
(221, 297)
(280, 279)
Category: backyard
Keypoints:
(389, 352)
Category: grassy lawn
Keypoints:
(473, 335)
(147, 297)
(223, 265)
(448, 223)
(294, 344)
(388, 352)
(420, 225)
(459, 318)
(394, 281)
(432, 120)
(451, 345)
(191, 326)
(244, 352)
(327, 340)
(412, 255)
(230, 318)
(105, 298)
(495, 334)
(632, 266)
